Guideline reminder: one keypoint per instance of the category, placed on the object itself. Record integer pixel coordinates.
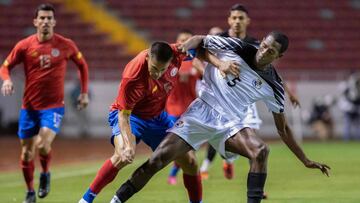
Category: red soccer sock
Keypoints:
(194, 187)
(105, 175)
(28, 172)
(45, 162)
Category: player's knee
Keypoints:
(43, 146)
(262, 153)
(27, 154)
(158, 161)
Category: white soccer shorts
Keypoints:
(202, 123)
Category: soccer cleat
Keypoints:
(265, 195)
(44, 185)
(228, 170)
(30, 197)
(172, 180)
(115, 199)
(204, 175)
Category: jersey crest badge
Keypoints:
(174, 71)
(257, 83)
(55, 52)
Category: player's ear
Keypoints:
(54, 22)
(35, 22)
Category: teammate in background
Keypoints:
(349, 104)
(44, 55)
(185, 92)
(216, 116)
(239, 21)
(137, 114)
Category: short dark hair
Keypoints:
(282, 39)
(239, 7)
(44, 7)
(161, 51)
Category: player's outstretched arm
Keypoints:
(287, 136)
(191, 43)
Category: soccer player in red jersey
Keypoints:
(44, 55)
(183, 94)
(138, 114)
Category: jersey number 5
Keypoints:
(232, 83)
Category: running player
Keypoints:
(44, 55)
(216, 116)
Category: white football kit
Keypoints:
(223, 103)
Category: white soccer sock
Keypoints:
(205, 165)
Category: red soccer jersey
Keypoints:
(142, 95)
(184, 92)
(44, 67)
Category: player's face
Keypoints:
(268, 51)
(182, 37)
(45, 22)
(156, 68)
(238, 21)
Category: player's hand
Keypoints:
(229, 67)
(7, 88)
(323, 167)
(294, 100)
(83, 101)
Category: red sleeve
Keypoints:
(181, 56)
(130, 92)
(77, 57)
(15, 57)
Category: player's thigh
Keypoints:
(28, 123)
(46, 136)
(51, 119)
(245, 142)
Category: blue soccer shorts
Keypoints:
(30, 121)
(150, 131)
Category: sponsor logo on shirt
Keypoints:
(55, 52)
(257, 83)
(173, 72)
(34, 54)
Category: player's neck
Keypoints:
(44, 37)
(240, 35)
(259, 66)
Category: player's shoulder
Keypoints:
(63, 40)
(23, 43)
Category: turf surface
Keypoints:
(288, 180)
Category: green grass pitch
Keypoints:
(288, 180)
